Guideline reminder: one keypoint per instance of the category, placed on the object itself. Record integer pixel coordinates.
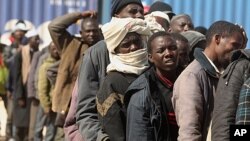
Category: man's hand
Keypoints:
(21, 102)
(89, 13)
(35, 101)
(9, 95)
(47, 111)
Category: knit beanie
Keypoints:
(193, 37)
(117, 5)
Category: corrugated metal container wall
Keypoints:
(205, 12)
(40, 11)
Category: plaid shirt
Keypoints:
(243, 110)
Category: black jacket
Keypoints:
(147, 110)
(110, 105)
(227, 95)
(91, 74)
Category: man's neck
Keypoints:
(212, 56)
(170, 75)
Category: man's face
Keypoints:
(34, 42)
(132, 11)
(164, 53)
(181, 24)
(19, 34)
(90, 32)
(183, 49)
(54, 51)
(131, 42)
(226, 46)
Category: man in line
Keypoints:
(194, 90)
(181, 23)
(72, 50)
(93, 71)
(21, 69)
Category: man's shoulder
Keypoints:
(193, 71)
(194, 67)
(98, 47)
(97, 50)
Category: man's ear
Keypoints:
(169, 29)
(117, 16)
(217, 38)
(150, 58)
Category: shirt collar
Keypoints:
(166, 81)
(212, 63)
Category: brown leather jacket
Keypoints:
(71, 51)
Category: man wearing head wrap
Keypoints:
(15, 41)
(158, 21)
(125, 39)
(162, 13)
(163, 7)
(18, 32)
(93, 71)
(21, 68)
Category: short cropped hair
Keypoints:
(87, 19)
(223, 28)
(179, 16)
(155, 35)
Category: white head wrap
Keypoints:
(114, 32)
(159, 14)
(31, 33)
(152, 23)
(20, 26)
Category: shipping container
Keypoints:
(39, 13)
(203, 12)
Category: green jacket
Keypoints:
(3, 78)
(44, 87)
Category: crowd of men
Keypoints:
(150, 76)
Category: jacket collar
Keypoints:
(204, 62)
(140, 83)
(146, 80)
(236, 56)
(242, 53)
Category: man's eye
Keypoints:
(125, 46)
(141, 11)
(190, 25)
(173, 47)
(160, 50)
(134, 11)
(183, 24)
